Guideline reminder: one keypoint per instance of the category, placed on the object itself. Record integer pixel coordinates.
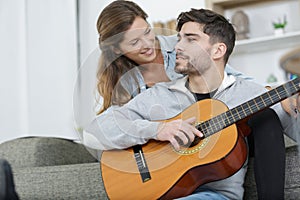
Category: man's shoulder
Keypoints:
(250, 82)
(250, 86)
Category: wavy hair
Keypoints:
(113, 21)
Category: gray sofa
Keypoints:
(52, 168)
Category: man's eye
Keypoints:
(148, 31)
(191, 39)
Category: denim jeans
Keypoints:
(204, 193)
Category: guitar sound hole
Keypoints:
(196, 141)
(189, 144)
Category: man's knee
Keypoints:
(266, 118)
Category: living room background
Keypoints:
(46, 44)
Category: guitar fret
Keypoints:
(294, 85)
(227, 120)
(249, 107)
(276, 90)
(270, 97)
(208, 128)
(262, 100)
(267, 100)
(255, 103)
(282, 92)
(233, 112)
(214, 125)
(289, 88)
(238, 112)
(219, 123)
(243, 111)
(274, 94)
(202, 127)
(231, 115)
(223, 120)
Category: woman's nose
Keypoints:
(147, 42)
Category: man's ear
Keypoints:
(219, 50)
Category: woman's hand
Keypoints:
(292, 105)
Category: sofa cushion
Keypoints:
(44, 151)
(292, 176)
(78, 181)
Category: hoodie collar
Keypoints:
(179, 84)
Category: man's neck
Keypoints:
(207, 82)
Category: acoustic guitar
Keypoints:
(156, 170)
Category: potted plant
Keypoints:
(279, 26)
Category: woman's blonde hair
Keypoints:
(113, 21)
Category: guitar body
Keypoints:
(176, 173)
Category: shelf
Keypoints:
(221, 5)
(266, 43)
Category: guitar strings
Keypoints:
(210, 127)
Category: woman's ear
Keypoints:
(116, 50)
(219, 50)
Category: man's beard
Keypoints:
(189, 67)
(179, 68)
(198, 65)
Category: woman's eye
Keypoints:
(133, 43)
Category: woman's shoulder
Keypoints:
(167, 42)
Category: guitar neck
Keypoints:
(248, 108)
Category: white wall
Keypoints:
(13, 76)
(39, 62)
(51, 66)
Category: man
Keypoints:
(205, 42)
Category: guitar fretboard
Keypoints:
(248, 108)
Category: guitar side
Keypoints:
(176, 173)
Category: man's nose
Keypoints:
(178, 46)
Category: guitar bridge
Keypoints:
(141, 163)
